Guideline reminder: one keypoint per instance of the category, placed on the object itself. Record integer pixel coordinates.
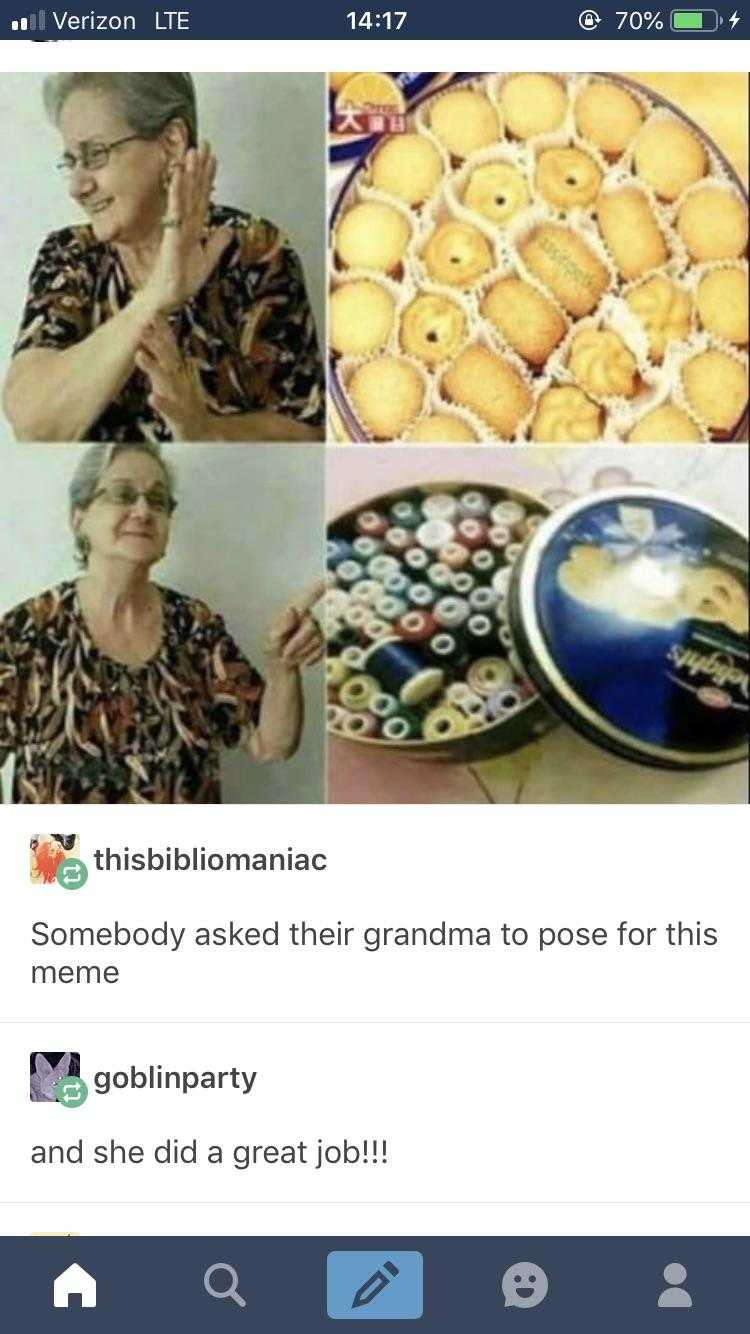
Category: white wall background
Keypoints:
(247, 534)
(268, 131)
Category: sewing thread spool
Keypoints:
(383, 706)
(444, 647)
(440, 505)
(335, 601)
(435, 533)
(406, 514)
(415, 626)
(472, 533)
(501, 580)
(404, 670)
(356, 693)
(364, 548)
(499, 536)
(488, 675)
(336, 672)
(454, 555)
(397, 584)
(483, 562)
(504, 635)
(501, 609)
(462, 583)
(421, 595)
(383, 565)
(337, 634)
(366, 592)
(371, 524)
(353, 658)
(473, 505)
(451, 612)
(502, 703)
(389, 607)
(356, 615)
(439, 575)
(375, 628)
(443, 724)
(398, 728)
(508, 513)
(335, 717)
(417, 559)
(512, 552)
(479, 629)
(482, 598)
(336, 551)
(398, 540)
(529, 525)
(348, 572)
(360, 724)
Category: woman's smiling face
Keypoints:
(117, 530)
(124, 200)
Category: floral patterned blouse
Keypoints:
(85, 728)
(249, 329)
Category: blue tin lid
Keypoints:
(629, 610)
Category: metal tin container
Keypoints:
(629, 610)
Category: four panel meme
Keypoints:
(374, 438)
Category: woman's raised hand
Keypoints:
(294, 639)
(188, 253)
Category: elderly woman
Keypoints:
(115, 689)
(164, 316)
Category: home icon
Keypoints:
(74, 1282)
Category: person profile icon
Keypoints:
(675, 1295)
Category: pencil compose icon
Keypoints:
(374, 1285)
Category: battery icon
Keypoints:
(694, 20)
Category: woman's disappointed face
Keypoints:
(128, 517)
(124, 199)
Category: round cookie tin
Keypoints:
(662, 381)
(629, 611)
(526, 720)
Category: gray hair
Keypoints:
(91, 468)
(148, 102)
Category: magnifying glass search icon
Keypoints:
(222, 1293)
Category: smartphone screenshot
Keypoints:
(374, 619)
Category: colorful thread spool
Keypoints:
(371, 524)
(417, 559)
(398, 540)
(440, 505)
(364, 548)
(454, 555)
(397, 584)
(383, 565)
(415, 626)
(390, 607)
(360, 725)
(508, 513)
(444, 724)
(376, 628)
(366, 592)
(512, 552)
(356, 693)
(504, 635)
(501, 609)
(473, 533)
(502, 703)
(482, 598)
(404, 670)
(335, 601)
(353, 658)
(480, 629)
(421, 595)
(336, 551)
(439, 575)
(397, 729)
(473, 505)
(435, 533)
(499, 536)
(335, 717)
(356, 615)
(336, 672)
(451, 612)
(348, 572)
(501, 580)
(488, 675)
(463, 583)
(406, 514)
(383, 706)
(445, 647)
(483, 562)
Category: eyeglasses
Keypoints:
(124, 495)
(93, 156)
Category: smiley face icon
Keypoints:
(524, 1285)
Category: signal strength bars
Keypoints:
(32, 23)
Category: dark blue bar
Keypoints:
(426, 20)
(601, 1285)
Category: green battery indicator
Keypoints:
(694, 20)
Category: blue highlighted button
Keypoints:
(374, 1285)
